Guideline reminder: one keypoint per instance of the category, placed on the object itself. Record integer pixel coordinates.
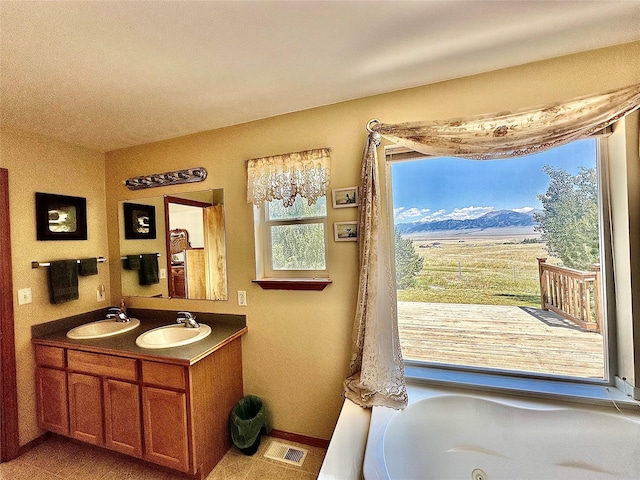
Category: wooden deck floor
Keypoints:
(502, 337)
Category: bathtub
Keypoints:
(455, 435)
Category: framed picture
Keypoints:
(139, 221)
(345, 197)
(60, 217)
(345, 231)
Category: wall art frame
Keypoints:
(60, 217)
(139, 221)
(345, 197)
(345, 231)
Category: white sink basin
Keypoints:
(101, 329)
(172, 336)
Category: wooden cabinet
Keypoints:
(178, 282)
(85, 408)
(122, 417)
(104, 404)
(164, 409)
(51, 393)
(91, 397)
(174, 415)
(165, 427)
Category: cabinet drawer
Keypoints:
(103, 365)
(164, 375)
(50, 356)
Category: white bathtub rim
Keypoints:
(344, 459)
(375, 466)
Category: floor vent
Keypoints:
(286, 453)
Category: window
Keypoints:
(499, 262)
(293, 238)
(290, 218)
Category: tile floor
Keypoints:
(62, 459)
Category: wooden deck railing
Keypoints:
(574, 294)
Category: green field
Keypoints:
(490, 271)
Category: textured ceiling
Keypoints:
(108, 75)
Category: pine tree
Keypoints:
(408, 262)
(569, 222)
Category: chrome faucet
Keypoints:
(188, 319)
(117, 314)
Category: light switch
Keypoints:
(24, 296)
(242, 298)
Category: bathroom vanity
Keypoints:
(168, 406)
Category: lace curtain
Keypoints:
(376, 372)
(512, 134)
(282, 177)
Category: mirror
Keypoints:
(184, 256)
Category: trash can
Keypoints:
(248, 418)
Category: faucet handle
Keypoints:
(188, 319)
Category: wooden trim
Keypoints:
(9, 441)
(37, 441)
(186, 201)
(167, 239)
(316, 284)
(305, 440)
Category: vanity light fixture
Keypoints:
(190, 175)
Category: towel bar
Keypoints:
(48, 264)
(124, 258)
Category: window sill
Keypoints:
(599, 394)
(316, 284)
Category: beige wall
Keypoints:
(297, 350)
(40, 164)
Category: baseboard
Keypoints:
(34, 443)
(305, 440)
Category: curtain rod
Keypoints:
(328, 149)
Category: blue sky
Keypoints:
(452, 188)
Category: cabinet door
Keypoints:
(51, 392)
(85, 408)
(165, 427)
(122, 423)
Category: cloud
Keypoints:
(424, 215)
(456, 214)
(467, 213)
(410, 214)
(435, 216)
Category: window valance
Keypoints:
(283, 177)
(509, 134)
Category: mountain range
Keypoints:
(495, 219)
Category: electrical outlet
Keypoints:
(242, 298)
(24, 296)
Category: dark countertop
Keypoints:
(224, 328)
